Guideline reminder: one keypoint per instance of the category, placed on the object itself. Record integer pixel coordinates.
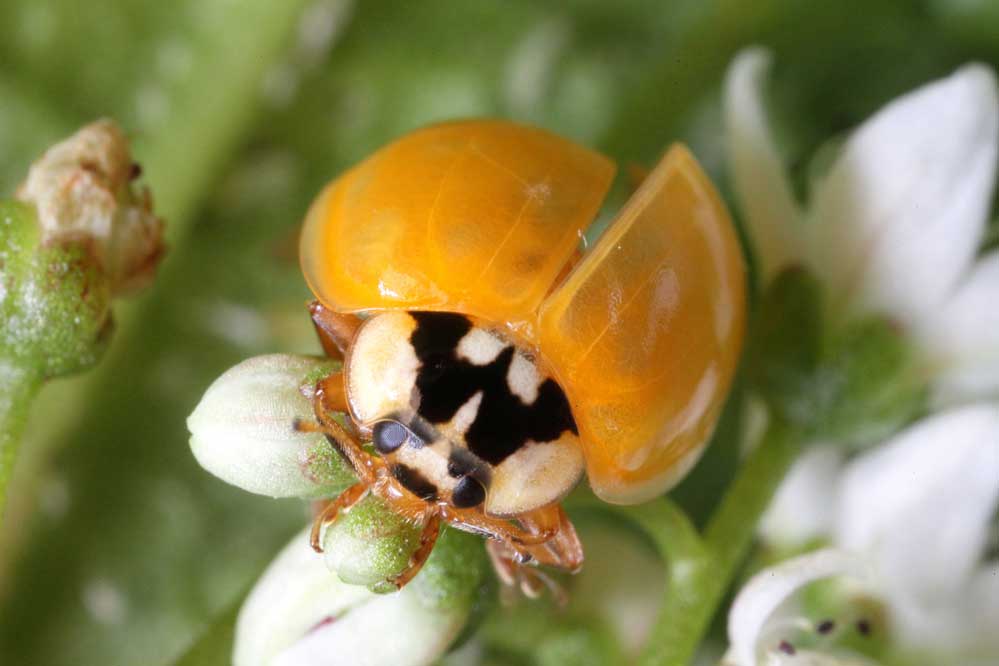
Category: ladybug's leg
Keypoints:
(530, 580)
(335, 329)
(332, 392)
(431, 530)
(361, 462)
(343, 503)
(516, 565)
(347, 445)
(563, 550)
(496, 528)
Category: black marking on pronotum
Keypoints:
(445, 382)
(825, 627)
(462, 462)
(468, 493)
(413, 481)
(422, 430)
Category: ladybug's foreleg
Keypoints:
(335, 329)
(428, 537)
(332, 392)
(347, 445)
(328, 516)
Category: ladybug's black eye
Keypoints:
(468, 493)
(389, 436)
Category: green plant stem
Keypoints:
(687, 561)
(696, 582)
(700, 568)
(18, 387)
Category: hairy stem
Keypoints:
(18, 387)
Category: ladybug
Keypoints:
(488, 362)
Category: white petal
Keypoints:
(803, 507)
(757, 172)
(767, 590)
(396, 629)
(301, 614)
(920, 507)
(963, 338)
(241, 431)
(982, 609)
(296, 593)
(901, 213)
(812, 658)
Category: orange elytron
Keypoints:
(491, 361)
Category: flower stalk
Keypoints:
(700, 567)
(18, 387)
(692, 600)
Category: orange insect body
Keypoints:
(484, 218)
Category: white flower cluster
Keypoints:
(895, 228)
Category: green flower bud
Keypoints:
(54, 301)
(370, 544)
(242, 430)
(301, 613)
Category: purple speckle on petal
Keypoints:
(329, 619)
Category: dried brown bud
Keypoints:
(82, 189)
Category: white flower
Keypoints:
(802, 510)
(760, 619)
(917, 510)
(895, 224)
(893, 229)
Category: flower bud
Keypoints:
(54, 302)
(301, 613)
(369, 544)
(853, 383)
(242, 430)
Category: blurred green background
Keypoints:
(118, 548)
